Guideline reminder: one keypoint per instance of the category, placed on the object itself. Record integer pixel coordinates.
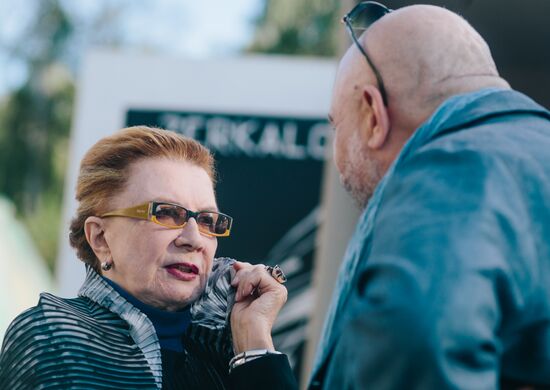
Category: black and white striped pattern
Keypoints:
(100, 341)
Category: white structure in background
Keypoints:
(23, 272)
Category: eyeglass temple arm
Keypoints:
(379, 80)
(142, 211)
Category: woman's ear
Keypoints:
(380, 123)
(94, 228)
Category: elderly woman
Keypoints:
(147, 227)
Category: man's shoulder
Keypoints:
(469, 169)
(486, 106)
(492, 140)
(494, 121)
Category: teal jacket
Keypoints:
(446, 281)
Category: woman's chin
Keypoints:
(182, 296)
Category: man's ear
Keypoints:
(380, 123)
(94, 228)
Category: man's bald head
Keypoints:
(424, 54)
(427, 53)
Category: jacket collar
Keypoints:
(465, 110)
(141, 329)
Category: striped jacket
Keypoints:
(100, 341)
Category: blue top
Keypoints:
(169, 325)
(446, 281)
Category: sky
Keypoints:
(187, 28)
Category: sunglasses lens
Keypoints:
(170, 215)
(364, 15)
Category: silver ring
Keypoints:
(277, 273)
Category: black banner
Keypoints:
(270, 171)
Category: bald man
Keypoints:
(446, 281)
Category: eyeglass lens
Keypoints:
(172, 215)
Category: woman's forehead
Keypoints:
(175, 181)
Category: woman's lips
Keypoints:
(183, 271)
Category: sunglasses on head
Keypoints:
(357, 21)
(174, 216)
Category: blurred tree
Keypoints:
(305, 27)
(35, 117)
(34, 126)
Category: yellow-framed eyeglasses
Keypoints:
(174, 216)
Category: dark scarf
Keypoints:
(169, 325)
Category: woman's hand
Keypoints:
(258, 300)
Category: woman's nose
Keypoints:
(190, 235)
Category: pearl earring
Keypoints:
(106, 265)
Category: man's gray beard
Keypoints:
(361, 176)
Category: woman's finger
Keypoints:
(254, 279)
(249, 281)
(239, 266)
